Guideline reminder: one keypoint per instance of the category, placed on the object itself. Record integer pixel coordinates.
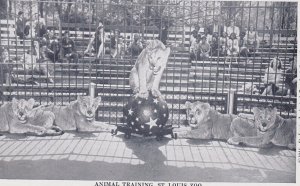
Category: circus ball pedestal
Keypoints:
(147, 117)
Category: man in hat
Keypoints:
(22, 29)
(69, 48)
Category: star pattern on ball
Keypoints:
(152, 122)
(155, 101)
(130, 111)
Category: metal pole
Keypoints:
(92, 87)
(231, 102)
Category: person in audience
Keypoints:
(96, 42)
(68, 48)
(40, 27)
(194, 34)
(6, 67)
(232, 45)
(163, 35)
(22, 27)
(55, 49)
(136, 46)
(194, 49)
(204, 48)
(44, 64)
(291, 77)
(272, 78)
(115, 45)
(223, 44)
(232, 29)
(215, 44)
(244, 52)
(252, 39)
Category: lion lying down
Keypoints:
(78, 115)
(206, 123)
(267, 127)
(19, 117)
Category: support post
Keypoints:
(92, 87)
(231, 99)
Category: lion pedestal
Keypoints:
(147, 117)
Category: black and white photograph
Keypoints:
(148, 92)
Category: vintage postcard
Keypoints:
(148, 92)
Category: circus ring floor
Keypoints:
(101, 156)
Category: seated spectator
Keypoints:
(45, 65)
(115, 45)
(163, 35)
(291, 77)
(223, 44)
(232, 29)
(97, 42)
(6, 67)
(244, 51)
(215, 44)
(272, 78)
(22, 27)
(252, 39)
(136, 47)
(204, 48)
(232, 45)
(194, 34)
(68, 48)
(194, 49)
(40, 27)
(53, 54)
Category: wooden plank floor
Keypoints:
(98, 156)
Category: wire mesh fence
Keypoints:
(53, 50)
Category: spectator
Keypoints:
(204, 48)
(22, 28)
(272, 78)
(252, 39)
(55, 49)
(44, 64)
(194, 49)
(97, 42)
(232, 45)
(194, 34)
(223, 44)
(291, 77)
(215, 44)
(40, 27)
(163, 36)
(115, 45)
(232, 29)
(68, 48)
(136, 47)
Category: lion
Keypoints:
(207, 123)
(79, 115)
(19, 117)
(146, 74)
(266, 129)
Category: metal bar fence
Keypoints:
(237, 65)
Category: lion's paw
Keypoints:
(143, 95)
(156, 93)
(233, 141)
(292, 146)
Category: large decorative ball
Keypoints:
(146, 116)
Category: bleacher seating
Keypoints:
(208, 80)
